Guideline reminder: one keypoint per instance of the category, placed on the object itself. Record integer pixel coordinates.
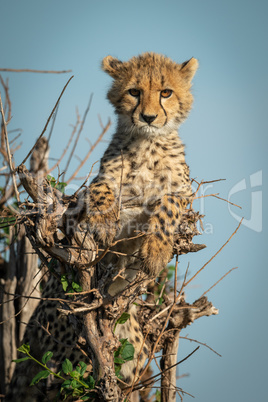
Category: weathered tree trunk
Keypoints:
(168, 378)
(20, 278)
(181, 319)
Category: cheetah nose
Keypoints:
(148, 118)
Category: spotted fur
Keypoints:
(102, 212)
(47, 330)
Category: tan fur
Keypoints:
(150, 73)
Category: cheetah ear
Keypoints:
(188, 69)
(112, 66)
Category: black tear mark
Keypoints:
(165, 113)
(134, 110)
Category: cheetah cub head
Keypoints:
(150, 93)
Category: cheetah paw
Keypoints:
(155, 253)
(104, 227)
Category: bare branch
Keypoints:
(68, 144)
(227, 273)
(8, 152)
(200, 343)
(106, 128)
(26, 70)
(163, 371)
(201, 269)
(48, 120)
(78, 135)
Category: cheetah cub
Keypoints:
(143, 184)
(142, 187)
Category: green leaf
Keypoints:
(51, 180)
(66, 384)
(74, 384)
(117, 369)
(121, 320)
(83, 383)
(47, 356)
(117, 352)
(123, 342)
(78, 370)
(70, 291)
(61, 186)
(124, 317)
(21, 360)
(7, 220)
(158, 396)
(118, 360)
(40, 376)
(66, 388)
(124, 353)
(83, 369)
(25, 348)
(128, 352)
(74, 374)
(90, 382)
(64, 282)
(76, 287)
(77, 392)
(67, 366)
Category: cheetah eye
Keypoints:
(166, 93)
(134, 92)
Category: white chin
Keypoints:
(153, 130)
(140, 128)
(148, 129)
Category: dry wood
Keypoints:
(21, 276)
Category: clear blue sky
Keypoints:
(225, 136)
